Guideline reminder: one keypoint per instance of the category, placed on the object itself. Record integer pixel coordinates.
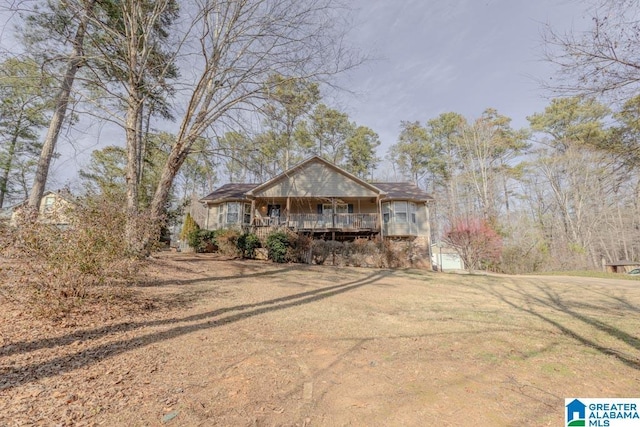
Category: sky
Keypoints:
(463, 56)
(428, 57)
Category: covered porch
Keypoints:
(317, 214)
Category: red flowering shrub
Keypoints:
(476, 242)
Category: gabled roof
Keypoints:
(387, 190)
(403, 190)
(297, 168)
(233, 191)
(63, 193)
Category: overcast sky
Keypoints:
(431, 57)
(462, 56)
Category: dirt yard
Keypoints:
(248, 343)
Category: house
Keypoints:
(54, 208)
(319, 199)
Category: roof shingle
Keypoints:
(229, 192)
(403, 190)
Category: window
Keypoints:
(48, 203)
(220, 215)
(399, 212)
(247, 214)
(273, 211)
(400, 209)
(386, 212)
(232, 212)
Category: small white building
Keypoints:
(445, 258)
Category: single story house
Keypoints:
(319, 199)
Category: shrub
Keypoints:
(227, 242)
(277, 245)
(247, 244)
(202, 240)
(321, 250)
(475, 240)
(188, 228)
(302, 249)
(60, 268)
(360, 252)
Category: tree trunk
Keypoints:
(62, 101)
(161, 196)
(131, 130)
(7, 166)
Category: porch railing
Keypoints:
(344, 221)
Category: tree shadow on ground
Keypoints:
(526, 302)
(16, 376)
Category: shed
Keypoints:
(621, 266)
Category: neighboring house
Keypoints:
(54, 208)
(322, 200)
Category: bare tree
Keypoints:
(603, 59)
(240, 43)
(82, 12)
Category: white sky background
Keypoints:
(432, 57)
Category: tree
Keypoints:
(133, 54)
(444, 165)
(68, 21)
(105, 173)
(238, 46)
(487, 148)
(361, 152)
(602, 59)
(571, 179)
(413, 152)
(188, 228)
(288, 101)
(476, 242)
(624, 139)
(23, 106)
(326, 133)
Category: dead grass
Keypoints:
(253, 343)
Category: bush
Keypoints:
(202, 240)
(60, 268)
(321, 249)
(189, 227)
(247, 244)
(227, 242)
(278, 245)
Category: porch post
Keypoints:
(333, 214)
(288, 209)
(380, 218)
(253, 213)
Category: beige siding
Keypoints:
(54, 209)
(316, 180)
(398, 228)
(422, 212)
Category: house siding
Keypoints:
(55, 212)
(402, 229)
(316, 180)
